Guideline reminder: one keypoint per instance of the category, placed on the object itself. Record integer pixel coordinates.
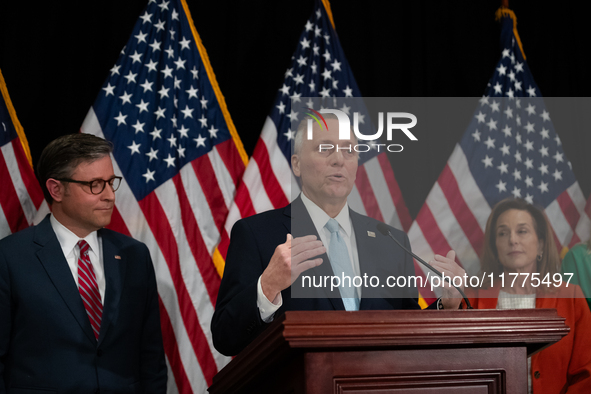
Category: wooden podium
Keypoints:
(464, 351)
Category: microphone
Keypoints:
(383, 228)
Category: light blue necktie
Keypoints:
(338, 255)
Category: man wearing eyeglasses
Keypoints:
(78, 303)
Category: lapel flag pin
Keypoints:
(117, 257)
(371, 234)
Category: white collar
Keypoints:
(320, 218)
(68, 239)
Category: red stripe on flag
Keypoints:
(168, 337)
(244, 204)
(117, 223)
(211, 189)
(568, 208)
(243, 201)
(367, 197)
(158, 222)
(573, 241)
(588, 207)
(9, 201)
(449, 185)
(557, 241)
(27, 174)
(272, 186)
(432, 233)
(401, 209)
(171, 349)
(231, 158)
(224, 244)
(204, 262)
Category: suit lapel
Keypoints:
(365, 244)
(366, 248)
(287, 217)
(52, 258)
(114, 265)
(304, 226)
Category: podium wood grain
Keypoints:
(378, 352)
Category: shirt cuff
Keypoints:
(267, 308)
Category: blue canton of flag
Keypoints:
(166, 114)
(7, 130)
(318, 69)
(511, 144)
(181, 159)
(510, 149)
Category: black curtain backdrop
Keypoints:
(55, 57)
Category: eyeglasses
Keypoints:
(97, 185)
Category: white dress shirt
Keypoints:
(68, 241)
(319, 218)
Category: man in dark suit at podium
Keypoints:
(78, 303)
(317, 234)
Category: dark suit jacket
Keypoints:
(46, 342)
(236, 321)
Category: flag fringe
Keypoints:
(326, 5)
(217, 258)
(216, 87)
(563, 252)
(218, 262)
(422, 303)
(17, 125)
(506, 12)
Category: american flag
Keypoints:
(583, 226)
(510, 149)
(181, 159)
(21, 198)
(318, 69)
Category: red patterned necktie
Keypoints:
(88, 288)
